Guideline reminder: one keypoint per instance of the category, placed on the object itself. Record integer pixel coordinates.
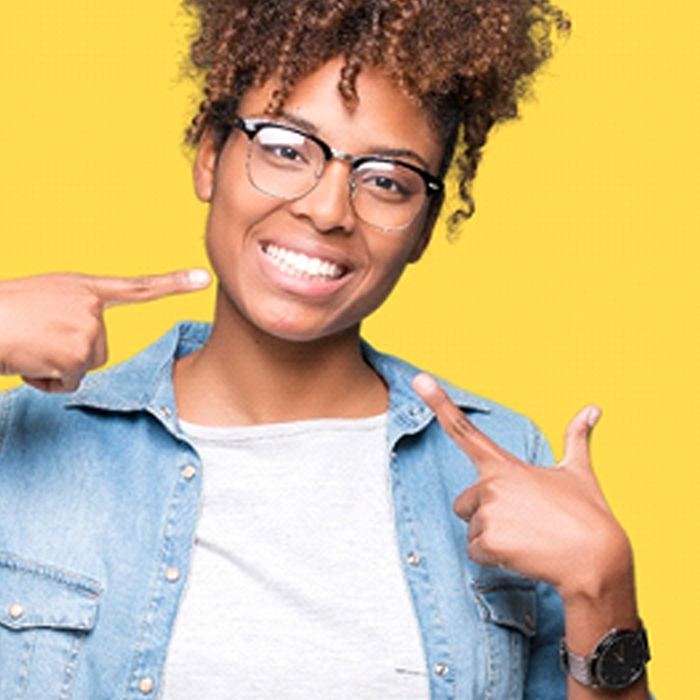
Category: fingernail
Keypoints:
(593, 415)
(198, 278)
(423, 382)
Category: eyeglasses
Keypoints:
(287, 163)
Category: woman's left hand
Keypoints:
(548, 524)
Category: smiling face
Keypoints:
(309, 268)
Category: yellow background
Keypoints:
(576, 282)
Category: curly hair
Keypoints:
(467, 63)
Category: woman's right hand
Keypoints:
(52, 327)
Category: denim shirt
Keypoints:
(99, 495)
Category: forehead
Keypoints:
(384, 117)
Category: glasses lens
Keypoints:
(287, 164)
(284, 163)
(387, 194)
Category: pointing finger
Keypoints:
(467, 503)
(578, 434)
(480, 448)
(113, 291)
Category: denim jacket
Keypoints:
(99, 495)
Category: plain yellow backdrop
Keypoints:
(576, 282)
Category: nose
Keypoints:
(328, 206)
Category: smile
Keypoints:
(300, 265)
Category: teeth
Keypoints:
(301, 265)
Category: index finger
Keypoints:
(478, 446)
(113, 291)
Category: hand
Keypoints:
(52, 328)
(548, 524)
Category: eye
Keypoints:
(284, 152)
(383, 182)
(389, 182)
(283, 147)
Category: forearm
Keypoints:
(600, 603)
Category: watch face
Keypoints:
(621, 661)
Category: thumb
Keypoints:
(577, 451)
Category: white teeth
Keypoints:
(301, 265)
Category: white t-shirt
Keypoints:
(296, 589)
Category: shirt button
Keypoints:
(16, 611)
(441, 669)
(413, 559)
(189, 471)
(165, 410)
(393, 455)
(172, 574)
(146, 685)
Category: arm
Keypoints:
(604, 600)
(52, 328)
(551, 525)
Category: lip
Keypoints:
(301, 286)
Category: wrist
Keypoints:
(600, 597)
(605, 569)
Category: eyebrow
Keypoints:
(384, 151)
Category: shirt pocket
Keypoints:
(45, 614)
(508, 608)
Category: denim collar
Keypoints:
(144, 383)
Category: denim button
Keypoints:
(16, 611)
(146, 685)
(172, 574)
(441, 669)
(413, 558)
(189, 471)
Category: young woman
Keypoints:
(268, 507)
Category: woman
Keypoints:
(264, 507)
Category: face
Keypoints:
(255, 241)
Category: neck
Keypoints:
(243, 376)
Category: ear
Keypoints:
(204, 169)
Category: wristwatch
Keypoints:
(617, 661)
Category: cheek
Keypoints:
(234, 210)
(388, 266)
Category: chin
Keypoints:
(295, 329)
(295, 333)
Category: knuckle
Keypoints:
(93, 306)
(143, 284)
(94, 330)
(488, 541)
(475, 551)
(462, 508)
(490, 489)
(69, 384)
(458, 423)
(79, 353)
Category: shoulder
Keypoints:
(29, 417)
(24, 401)
(511, 429)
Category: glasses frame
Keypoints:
(252, 125)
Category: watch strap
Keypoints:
(580, 667)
